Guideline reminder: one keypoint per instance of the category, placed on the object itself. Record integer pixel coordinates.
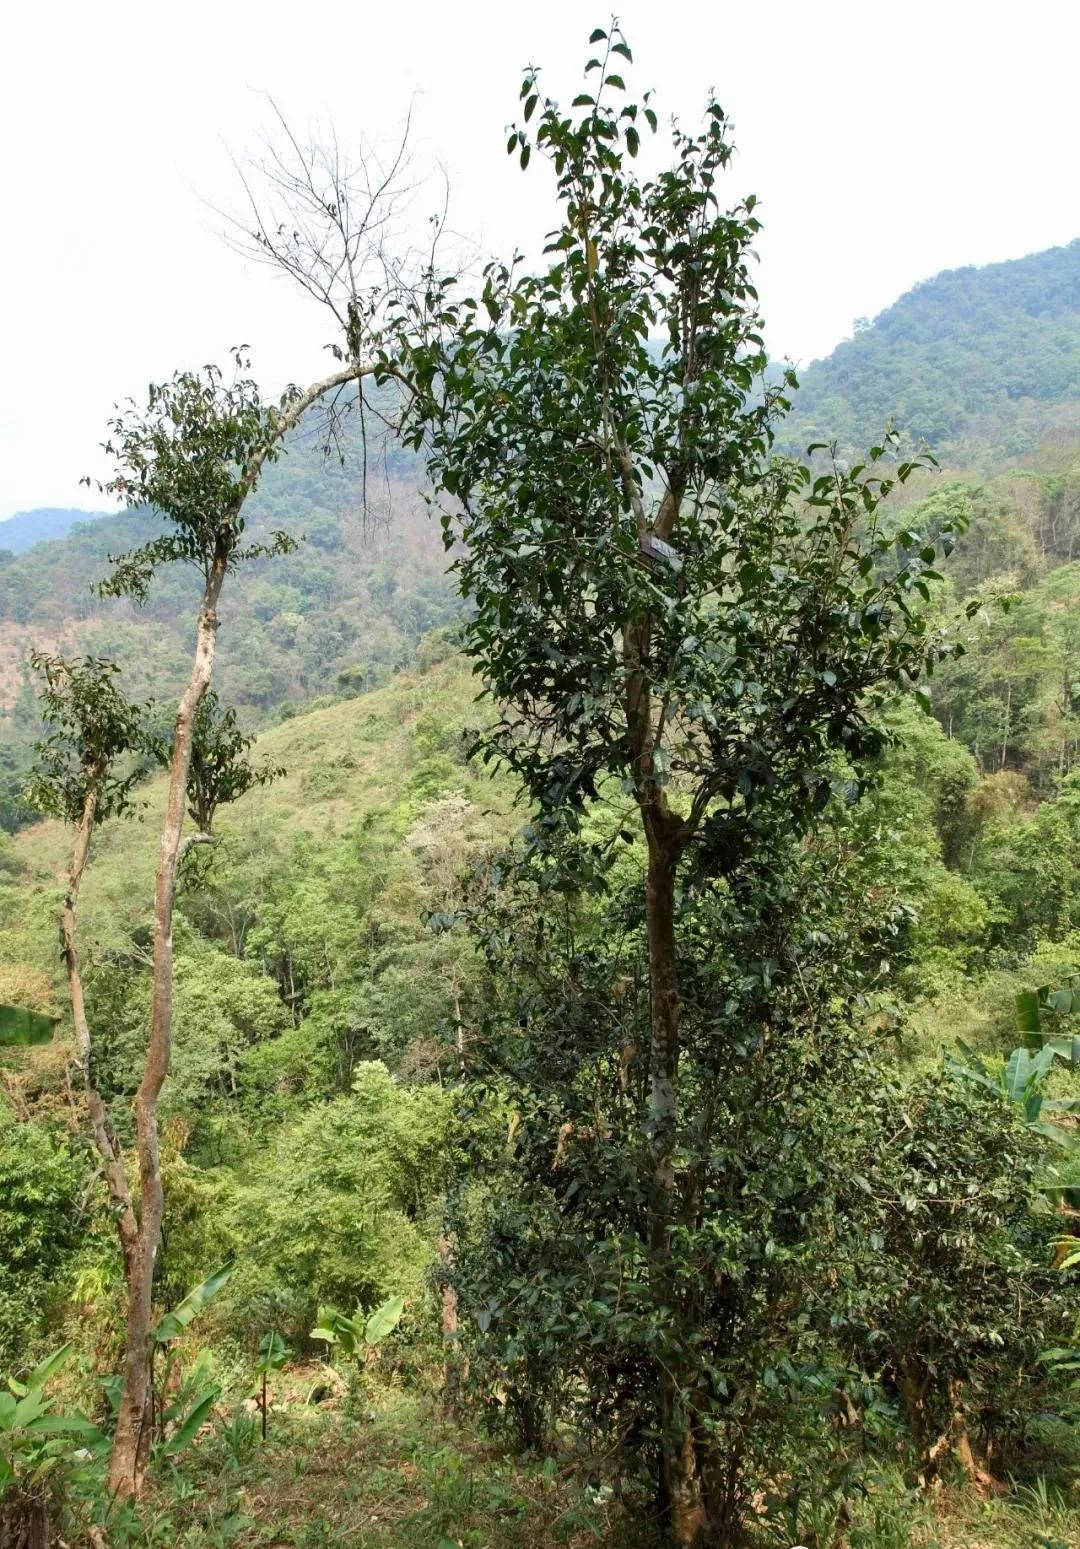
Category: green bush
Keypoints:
(41, 1186)
(337, 1209)
(961, 1296)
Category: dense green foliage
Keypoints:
(665, 612)
(41, 1184)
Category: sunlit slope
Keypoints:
(374, 770)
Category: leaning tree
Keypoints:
(657, 603)
(194, 454)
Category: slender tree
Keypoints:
(196, 453)
(656, 601)
(96, 749)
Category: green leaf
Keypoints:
(65, 1425)
(598, 35)
(1062, 1105)
(633, 140)
(1028, 1019)
(1065, 1138)
(194, 1419)
(1018, 1072)
(49, 1366)
(173, 1323)
(1067, 1049)
(272, 1352)
(7, 1411)
(20, 1027)
(28, 1409)
(384, 1320)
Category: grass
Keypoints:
(387, 1472)
(385, 1469)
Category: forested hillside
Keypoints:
(337, 616)
(980, 363)
(578, 1048)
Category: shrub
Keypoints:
(41, 1183)
(336, 1209)
(961, 1293)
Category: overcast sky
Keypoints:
(886, 142)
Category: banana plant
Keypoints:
(1020, 1080)
(352, 1336)
(173, 1324)
(177, 1419)
(1031, 1004)
(36, 1441)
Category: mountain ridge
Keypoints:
(980, 362)
(42, 524)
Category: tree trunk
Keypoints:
(681, 1479)
(24, 1521)
(106, 1142)
(131, 1444)
(913, 1385)
(452, 1373)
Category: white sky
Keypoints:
(886, 141)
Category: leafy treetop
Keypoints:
(97, 744)
(220, 770)
(656, 596)
(194, 454)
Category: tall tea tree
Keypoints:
(195, 455)
(95, 750)
(654, 599)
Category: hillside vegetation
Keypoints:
(588, 1057)
(980, 363)
(320, 1010)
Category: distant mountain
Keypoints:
(347, 608)
(981, 363)
(21, 531)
